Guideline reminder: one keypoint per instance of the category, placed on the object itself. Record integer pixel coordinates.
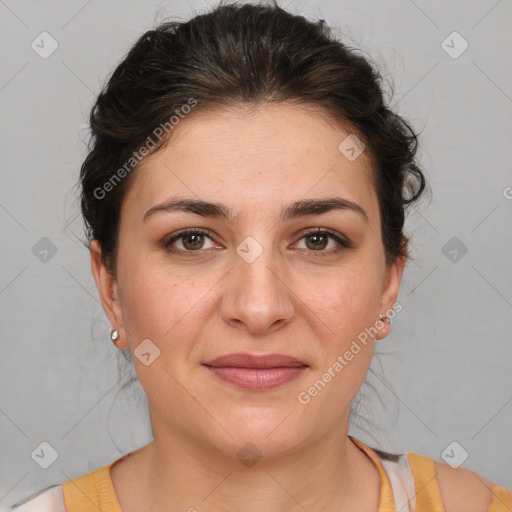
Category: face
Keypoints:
(289, 261)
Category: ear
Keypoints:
(390, 292)
(108, 291)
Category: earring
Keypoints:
(385, 318)
(114, 335)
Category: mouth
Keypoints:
(257, 372)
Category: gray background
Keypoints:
(444, 370)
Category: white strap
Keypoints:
(49, 500)
(402, 483)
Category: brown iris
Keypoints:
(320, 241)
(193, 241)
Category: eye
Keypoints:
(324, 241)
(190, 240)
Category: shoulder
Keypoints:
(462, 490)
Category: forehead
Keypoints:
(271, 154)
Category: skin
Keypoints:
(289, 300)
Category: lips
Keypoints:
(256, 372)
(246, 360)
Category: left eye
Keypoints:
(319, 241)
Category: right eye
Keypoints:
(189, 240)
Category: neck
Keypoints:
(329, 474)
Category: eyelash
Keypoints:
(342, 244)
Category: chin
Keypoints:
(257, 432)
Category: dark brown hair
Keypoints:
(241, 55)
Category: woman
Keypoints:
(244, 196)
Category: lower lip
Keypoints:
(257, 378)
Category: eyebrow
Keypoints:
(299, 208)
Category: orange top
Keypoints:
(94, 492)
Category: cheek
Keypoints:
(346, 309)
(172, 307)
(346, 301)
(156, 304)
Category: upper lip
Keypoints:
(246, 360)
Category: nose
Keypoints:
(257, 297)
